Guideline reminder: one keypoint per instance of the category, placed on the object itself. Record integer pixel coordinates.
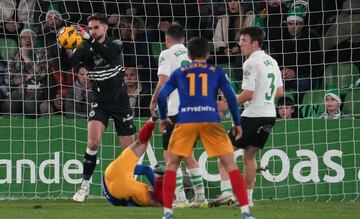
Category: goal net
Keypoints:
(312, 154)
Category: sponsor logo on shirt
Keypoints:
(197, 109)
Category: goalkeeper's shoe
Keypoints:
(81, 193)
(199, 203)
(180, 204)
(167, 215)
(246, 215)
(223, 199)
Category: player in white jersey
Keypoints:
(262, 83)
(171, 59)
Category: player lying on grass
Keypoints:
(119, 185)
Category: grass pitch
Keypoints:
(53, 209)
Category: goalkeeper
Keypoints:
(119, 185)
(102, 57)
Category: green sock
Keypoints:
(197, 182)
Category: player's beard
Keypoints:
(98, 37)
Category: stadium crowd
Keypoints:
(316, 43)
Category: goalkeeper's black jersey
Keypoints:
(105, 70)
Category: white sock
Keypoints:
(86, 183)
(179, 190)
(168, 210)
(91, 152)
(250, 193)
(245, 208)
(225, 187)
(197, 182)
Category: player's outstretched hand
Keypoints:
(222, 105)
(163, 124)
(236, 131)
(83, 32)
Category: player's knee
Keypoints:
(172, 164)
(191, 162)
(93, 144)
(228, 164)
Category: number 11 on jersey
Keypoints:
(204, 84)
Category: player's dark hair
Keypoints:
(98, 17)
(198, 48)
(255, 33)
(175, 31)
(285, 101)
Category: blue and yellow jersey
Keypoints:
(198, 84)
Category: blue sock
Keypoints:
(147, 171)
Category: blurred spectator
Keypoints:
(227, 32)
(332, 105)
(47, 31)
(78, 11)
(77, 103)
(10, 30)
(158, 14)
(286, 108)
(27, 77)
(54, 106)
(137, 48)
(139, 93)
(275, 13)
(21, 11)
(63, 81)
(299, 55)
(4, 89)
(342, 42)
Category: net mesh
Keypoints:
(44, 100)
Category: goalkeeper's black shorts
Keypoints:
(124, 123)
(255, 132)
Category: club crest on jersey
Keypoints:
(94, 105)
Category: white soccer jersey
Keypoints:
(261, 75)
(170, 60)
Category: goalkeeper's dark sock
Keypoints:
(147, 171)
(146, 132)
(89, 163)
(158, 189)
(239, 188)
(169, 185)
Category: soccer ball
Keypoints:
(69, 37)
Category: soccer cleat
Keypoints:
(223, 199)
(168, 215)
(81, 193)
(159, 170)
(246, 215)
(181, 204)
(199, 203)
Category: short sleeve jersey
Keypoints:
(261, 75)
(169, 60)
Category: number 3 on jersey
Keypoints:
(204, 84)
(271, 76)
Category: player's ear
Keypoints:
(207, 55)
(190, 57)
